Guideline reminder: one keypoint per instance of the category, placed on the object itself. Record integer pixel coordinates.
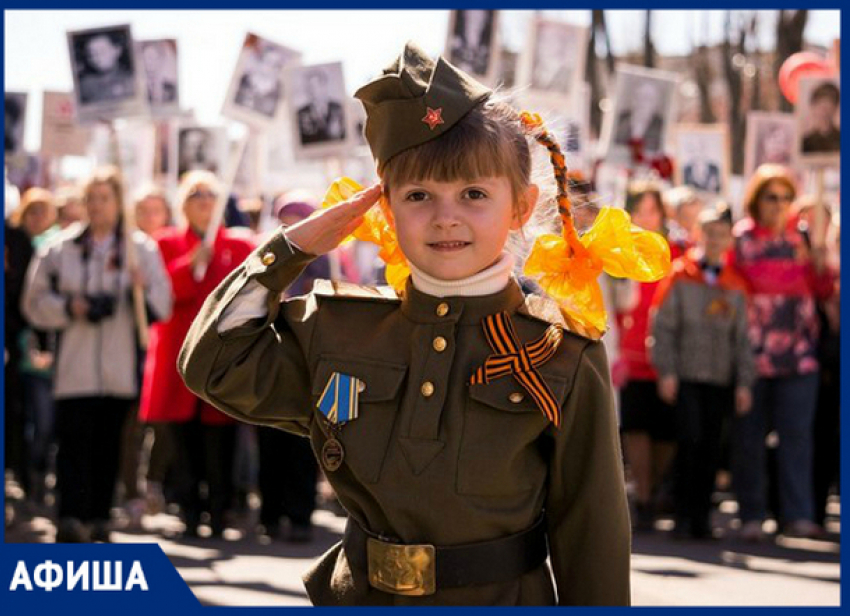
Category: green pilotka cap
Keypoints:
(415, 100)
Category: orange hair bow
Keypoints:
(567, 267)
(612, 245)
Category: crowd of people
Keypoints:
(729, 364)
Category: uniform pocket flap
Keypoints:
(506, 394)
(381, 380)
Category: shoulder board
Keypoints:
(349, 290)
(548, 311)
(543, 309)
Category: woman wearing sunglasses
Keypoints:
(785, 279)
(205, 438)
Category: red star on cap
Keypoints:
(433, 117)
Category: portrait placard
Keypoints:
(818, 114)
(472, 44)
(642, 112)
(199, 147)
(159, 63)
(108, 80)
(256, 93)
(15, 121)
(702, 156)
(771, 138)
(552, 61)
(61, 135)
(318, 110)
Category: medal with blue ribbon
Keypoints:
(339, 405)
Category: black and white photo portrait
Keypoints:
(318, 104)
(818, 113)
(15, 116)
(771, 138)
(701, 151)
(256, 90)
(199, 147)
(553, 62)
(642, 111)
(107, 80)
(159, 60)
(471, 44)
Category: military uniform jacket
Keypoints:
(467, 463)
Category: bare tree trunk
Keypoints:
(602, 25)
(789, 40)
(755, 56)
(598, 29)
(734, 83)
(704, 76)
(648, 47)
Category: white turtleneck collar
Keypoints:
(491, 280)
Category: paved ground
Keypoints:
(245, 569)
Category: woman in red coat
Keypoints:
(647, 422)
(205, 438)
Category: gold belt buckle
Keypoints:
(402, 569)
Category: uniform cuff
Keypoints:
(277, 263)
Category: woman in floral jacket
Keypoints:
(785, 279)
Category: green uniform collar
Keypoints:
(423, 308)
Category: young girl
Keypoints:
(462, 428)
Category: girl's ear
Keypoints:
(526, 207)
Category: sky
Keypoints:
(36, 49)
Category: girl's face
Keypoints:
(647, 214)
(453, 230)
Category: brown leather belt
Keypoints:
(421, 569)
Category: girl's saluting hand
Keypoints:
(324, 230)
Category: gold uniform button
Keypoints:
(268, 258)
(440, 344)
(427, 389)
(516, 397)
(442, 309)
(361, 387)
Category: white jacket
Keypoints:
(93, 359)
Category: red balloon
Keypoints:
(801, 64)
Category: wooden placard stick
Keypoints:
(217, 220)
(819, 220)
(132, 257)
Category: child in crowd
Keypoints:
(704, 362)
